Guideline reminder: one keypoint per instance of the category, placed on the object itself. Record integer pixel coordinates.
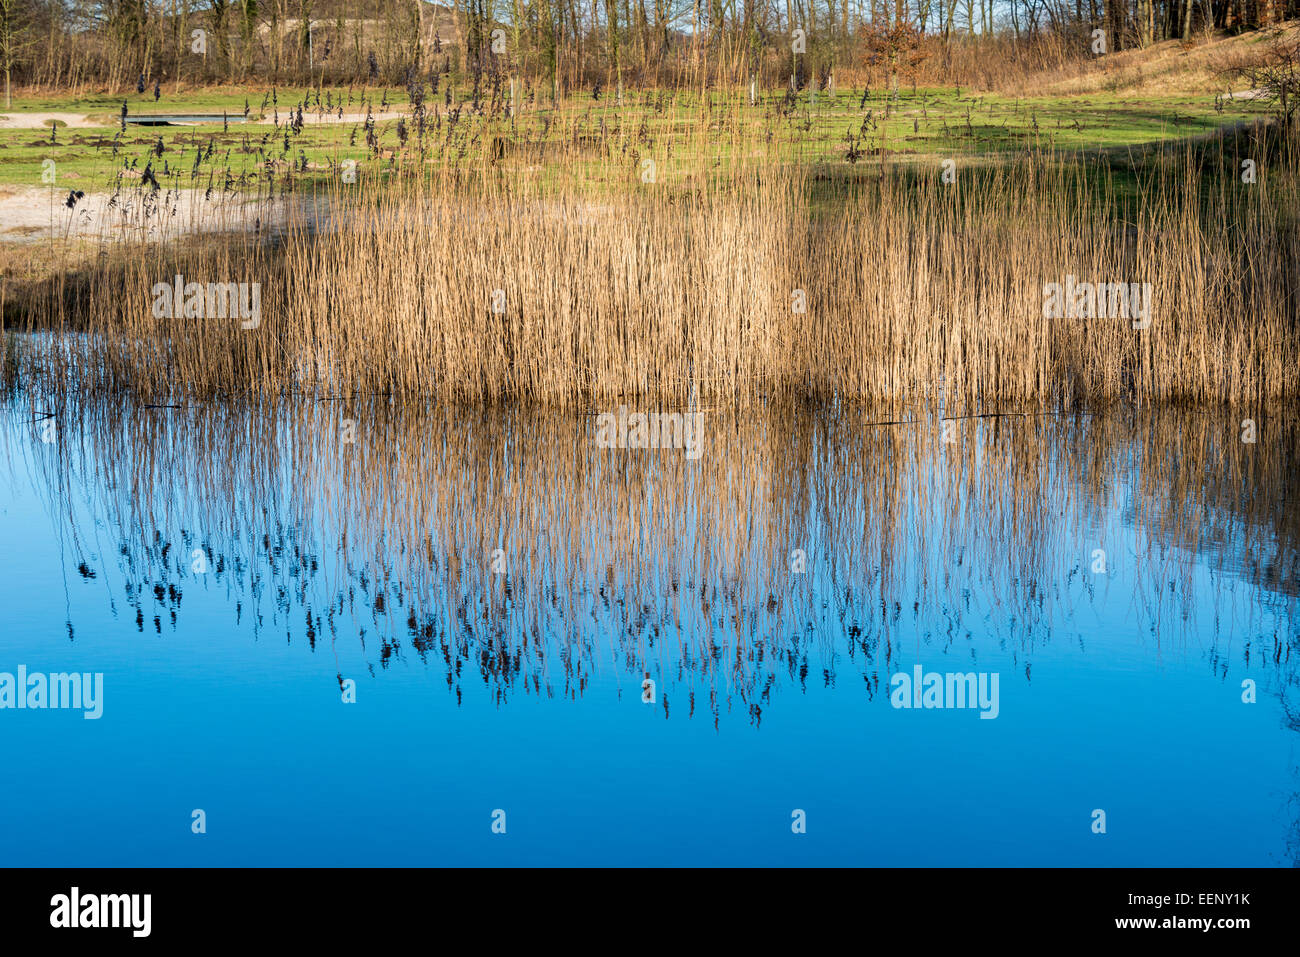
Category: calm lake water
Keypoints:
(494, 589)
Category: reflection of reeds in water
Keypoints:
(633, 562)
(913, 291)
(8, 363)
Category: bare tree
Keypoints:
(1277, 75)
(11, 40)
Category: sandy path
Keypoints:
(81, 121)
(1257, 94)
(36, 214)
(32, 121)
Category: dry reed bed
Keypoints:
(658, 293)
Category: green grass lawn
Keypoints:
(678, 131)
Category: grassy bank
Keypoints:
(672, 127)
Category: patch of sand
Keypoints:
(33, 214)
(82, 121)
(32, 121)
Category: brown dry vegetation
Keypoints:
(1172, 67)
(915, 292)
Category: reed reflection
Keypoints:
(803, 548)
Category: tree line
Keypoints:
(566, 44)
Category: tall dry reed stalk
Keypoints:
(481, 286)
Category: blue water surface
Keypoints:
(1120, 691)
